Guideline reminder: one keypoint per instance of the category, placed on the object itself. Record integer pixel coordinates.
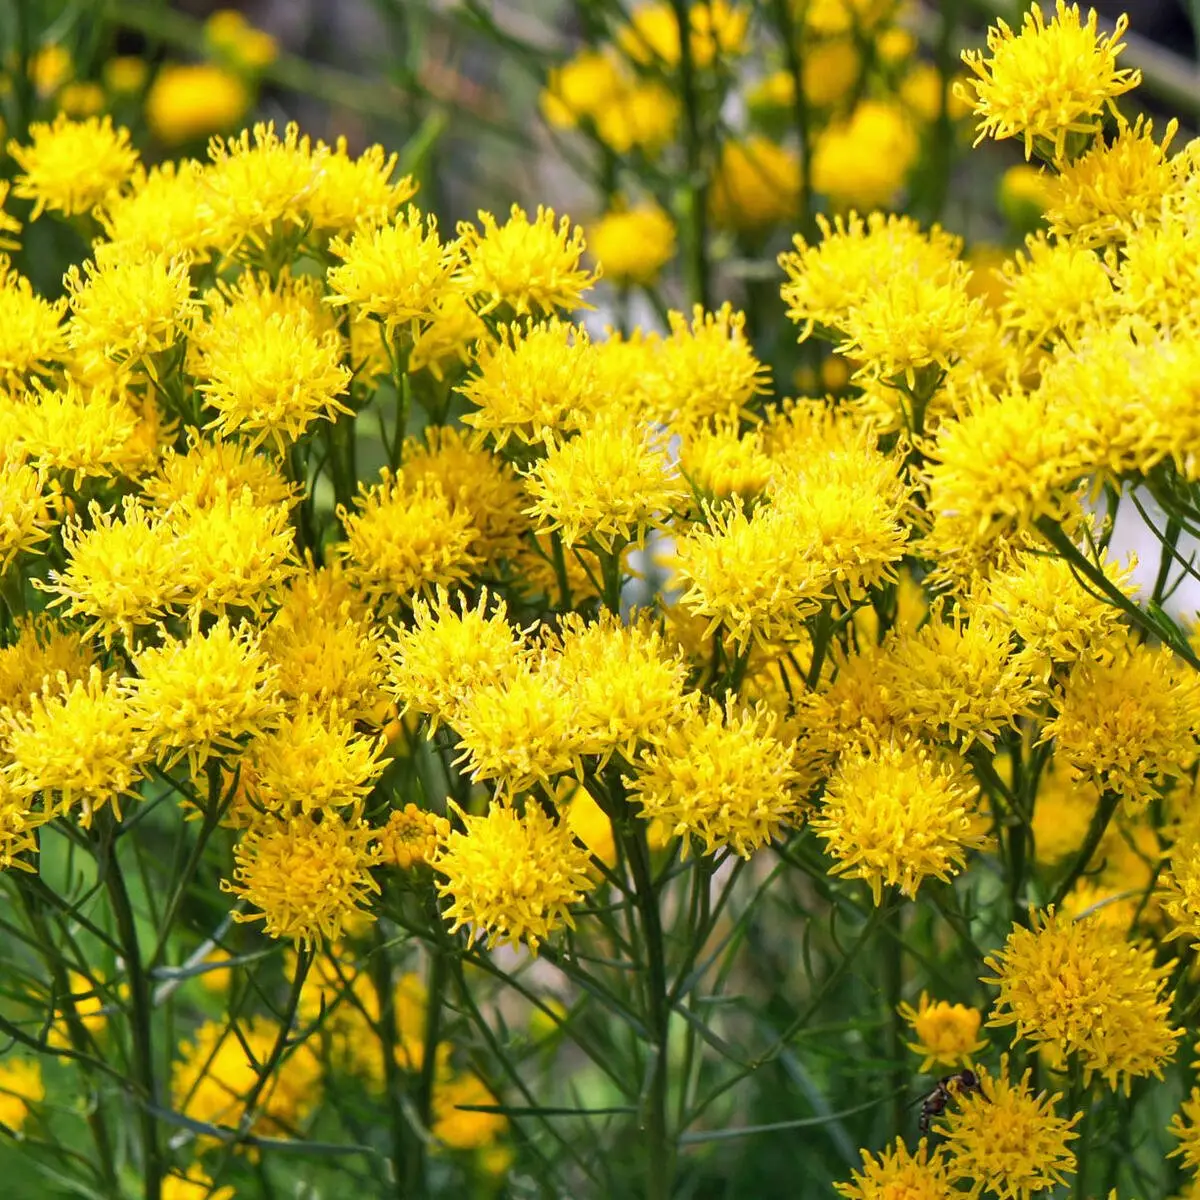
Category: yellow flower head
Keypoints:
(475, 479)
(641, 115)
(1128, 724)
(219, 1071)
(610, 483)
(306, 877)
(448, 338)
(411, 837)
(716, 30)
(828, 18)
(704, 370)
(581, 87)
(1100, 197)
(310, 762)
(894, 815)
(460, 1126)
(720, 461)
(529, 266)
(187, 101)
(42, 650)
(126, 310)
(1080, 988)
(194, 1185)
(79, 743)
(32, 336)
(898, 1174)
(534, 380)
(756, 185)
(406, 537)
(231, 36)
(626, 684)
(70, 166)
(449, 651)
(956, 681)
(512, 878)
(947, 1034)
(397, 273)
(159, 212)
(1049, 81)
(864, 159)
(633, 244)
(269, 375)
(27, 513)
(722, 776)
(1008, 1140)
(121, 570)
(204, 695)
(354, 192)
(20, 1087)
(211, 473)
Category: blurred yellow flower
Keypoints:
(21, 1087)
(188, 101)
(229, 34)
(756, 184)
(632, 245)
(864, 160)
(717, 29)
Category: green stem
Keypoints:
(893, 983)
(695, 258)
(1096, 830)
(435, 986)
(1170, 540)
(140, 1012)
(790, 36)
(405, 1147)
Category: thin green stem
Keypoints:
(1095, 834)
(695, 257)
(435, 986)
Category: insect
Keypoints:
(959, 1084)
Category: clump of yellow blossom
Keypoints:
(899, 1173)
(511, 877)
(721, 775)
(1008, 1140)
(894, 815)
(716, 29)
(21, 1087)
(527, 266)
(947, 1034)
(191, 100)
(1185, 1127)
(194, 1185)
(1128, 724)
(863, 161)
(307, 877)
(1082, 989)
(756, 184)
(70, 166)
(411, 837)
(32, 335)
(1049, 83)
(633, 244)
(27, 511)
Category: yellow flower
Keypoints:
(1101, 196)
(463, 1128)
(1049, 81)
(528, 266)
(864, 159)
(194, 1185)
(70, 166)
(1008, 1140)
(220, 1069)
(120, 570)
(32, 336)
(611, 483)
(827, 18)
(721, 776)
(126, 74)
(590, 825)
(534, 380)
(1128, 724)
(893, 814)
(897, 1174)
(20, 1088)
(1080, 988)
(633, 244)
(406, 537)
(720, 461)
(212, 473)
(1024, 193)
(476, 480)
(50, 66)
(202, 696)
(521, 728)
(449, 338)
(704, 370)
(41, 652)
(160, 212)
(229, 33)
(187, 101)
(511, 878)
(447, 653)
(324, 647)
(626, 685)
(947, 1034)
(306, 877)
(269, 377)
(27, 513)
(126, 310)
(756, 185)
(641, 115)
(79, 741)
(580, 88)
(10, 226)
(716, 29)
(397, 273)
(410, 837)
(311, 761)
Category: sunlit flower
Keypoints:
(21, 1087)
(32, 335)
(864, 160)
(947, 1034)
(511, 877)
(756, 184)
(898, 1174)
(411, 837)
(633, 245)
(307, 878)
(1080, 988)
(894, 815)
(187, 101)
(27, 511)
(716, 29)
